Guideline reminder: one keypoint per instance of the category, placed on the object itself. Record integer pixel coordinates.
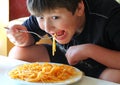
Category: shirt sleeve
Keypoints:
(32, 25)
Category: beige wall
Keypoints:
(4, 18)
(3, 42)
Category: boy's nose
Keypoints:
(48, 27)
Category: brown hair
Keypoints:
(36, 7)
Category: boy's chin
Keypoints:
(63, 42)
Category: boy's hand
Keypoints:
(16, 37)
(76, 54)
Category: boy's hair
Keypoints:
(36, 7)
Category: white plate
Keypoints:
(72, 80)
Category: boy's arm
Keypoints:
(19, 38)
(109, 58)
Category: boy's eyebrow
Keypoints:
(37, 16)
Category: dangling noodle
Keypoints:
(53, 45)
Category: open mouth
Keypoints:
(60, 35)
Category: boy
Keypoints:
(87, 34)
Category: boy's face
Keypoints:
(60, 22)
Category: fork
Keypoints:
(42, 37)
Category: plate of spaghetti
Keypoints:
(44, 73)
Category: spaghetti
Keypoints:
(53, 45)
(44, 72)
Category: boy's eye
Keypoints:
(55, 17)
(40, 17)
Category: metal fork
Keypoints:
(42, 37)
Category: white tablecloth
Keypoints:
(6, 64)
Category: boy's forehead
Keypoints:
(56, 10)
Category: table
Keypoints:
(7, 63)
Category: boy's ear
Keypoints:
(80, 10)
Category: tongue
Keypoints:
(60, 33)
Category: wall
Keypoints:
(18, 9)
(4, 18)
